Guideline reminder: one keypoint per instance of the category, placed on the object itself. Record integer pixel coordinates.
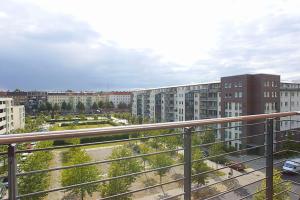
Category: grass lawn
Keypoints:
(63, 128)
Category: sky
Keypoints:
(120, 45)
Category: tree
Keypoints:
(100, 104)
(108, 105)
(79, 175)
(56, 107)
(160, 161)
(119, 168)
(38, 181)
(144, 149)
(122, 105)
(217, 149)
(42, 107)
(69, 107)
(64, 106)
(80, 107)
(199, 167)
(278, 187)
(48, 106)
(95, 106)
(208, 137)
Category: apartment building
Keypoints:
(177, 103)
(119, 97)
(11, 117)
(72, 98)
(289, 100)
(29, 99)
(248, 95)
(239, 95)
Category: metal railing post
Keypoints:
(269, 159)
(12, 167)
(187, 138)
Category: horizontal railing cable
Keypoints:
(224, 141)
(224, 154)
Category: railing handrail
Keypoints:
(54, 135)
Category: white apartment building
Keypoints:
(11, 117)
(87, 98)
(119, 97)
(289, 101)
(177, 103)
(19, 117)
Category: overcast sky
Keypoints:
(117, 44)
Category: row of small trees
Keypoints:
(80, 107)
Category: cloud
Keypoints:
(46, 50)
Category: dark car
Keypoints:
(236, 165)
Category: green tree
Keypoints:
(95, 106)
(64, 106)
(42, 107)
(160, 161)
(80, 107)
(100, 104)
(217, 149)
(208, 137)
(122, 105)
(79, 175)
(119, 168)
(38, 181)
(144, 149)
(56, 107)
(48, 106)
(199, 167)
(278, 187)
(69, 107)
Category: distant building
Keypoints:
(30, 99)
(87, 98)
(119, 97)
(239, 95)
(11, 117)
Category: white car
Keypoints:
(292, 166)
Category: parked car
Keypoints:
(292, 166)
(236, 165)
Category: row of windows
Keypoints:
(292, 94)
(270, 106)
(270, 94)
(236, 95)
(235, 84)
(228, 135)
(230, 114)
(270, 84)
(235, 105)
(286, 103)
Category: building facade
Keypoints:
(88, 98)
(119, 98)
(31, 100)
(11, 117)
(73, 98)
(239, 95)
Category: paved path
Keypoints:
(55, 177)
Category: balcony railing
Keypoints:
(183, 155)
